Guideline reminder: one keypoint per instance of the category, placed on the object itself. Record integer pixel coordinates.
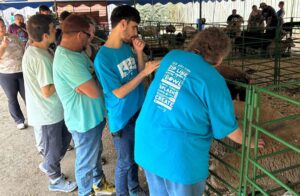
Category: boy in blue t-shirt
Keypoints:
(187, 105)
(121, 77)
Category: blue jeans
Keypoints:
(13, 84)
(163, 187)
(88, 168)
(126, 174)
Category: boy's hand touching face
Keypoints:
(138, 44)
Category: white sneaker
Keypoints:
(21, 126)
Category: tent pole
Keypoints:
(200, 16)
(200, 9)
(55, 7)
(134, 3)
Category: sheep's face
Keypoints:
(130, 31)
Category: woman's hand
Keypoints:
(260, 143)
(5, 42)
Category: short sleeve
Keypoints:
(220, 108)
(76, 72)
(108, 78)
(44, 72)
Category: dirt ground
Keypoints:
(19, 160)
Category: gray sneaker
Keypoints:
(62, 185)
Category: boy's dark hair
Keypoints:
(75, 23)
(19, 15)
(37, 25)
(124, 12)
(64, 15)
(281, 2)
(43, 8)
(211, 43)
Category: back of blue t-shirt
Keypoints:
(114, 68)
(187, 104)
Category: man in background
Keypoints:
(280, 13)
(19, 28)
(45, 10)
(271, 19)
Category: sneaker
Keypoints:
(62, 185)
(21, 126)
(139, 192)
(43, 169)
(105, 188)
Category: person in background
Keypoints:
(63, 15)
(234, 17)
(280, 13)
(83, 104)
(91, 49)
(255, 21)
(12, 18)
(45, 10)
(44, 108)
(234, 22)
(121, 73)
(11, 76)
(271, 19)
(19, 28)
(187, 105)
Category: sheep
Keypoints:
(188, 31)
(284, 46)
(232, 73)
(154, 52)
(170, 29)
(289, 131)
(174, 40)
(149, 31)
(234, 28)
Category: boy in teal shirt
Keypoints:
(43, 105)
(83, 105)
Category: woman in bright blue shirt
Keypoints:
(187, 105)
